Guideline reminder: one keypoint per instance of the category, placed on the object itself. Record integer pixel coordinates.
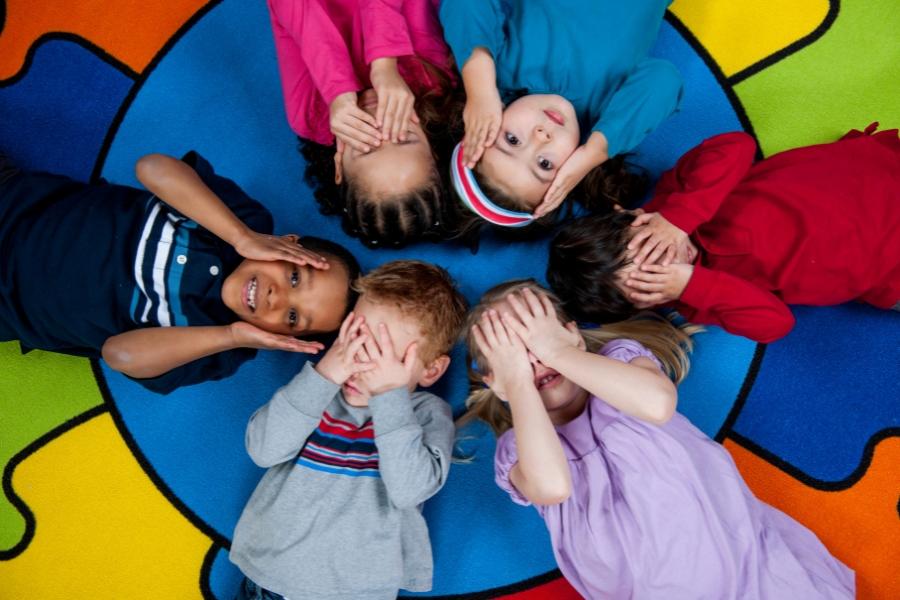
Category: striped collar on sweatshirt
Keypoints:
(341, 448)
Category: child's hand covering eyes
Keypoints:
(505, 353)
(586, 157)
(536, 323)
(246, 335)
(259, 246)
(352, 125)
(658, 284)
(388, 372)
(395, 100)
(339, 363)
(659, 240)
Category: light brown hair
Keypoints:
(423, 291)
(668, 343)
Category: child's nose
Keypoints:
(542, 134)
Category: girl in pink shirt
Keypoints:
(368, 87)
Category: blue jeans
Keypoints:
(251, 591)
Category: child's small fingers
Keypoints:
(519, 307)
(654, 268)
(487, 328)
(657, 253)
(670, 256)
(379, 111)
(499, 328)
(388, 122)
(648, 298)
(492, 133)
(364, 134)
(641, 219)
(480, 342)
(646, 249)
(361, 367)
(534, 303)
(346, 325)
(638, 239)
(514, 325)
(645, 286)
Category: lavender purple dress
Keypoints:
(662, 512)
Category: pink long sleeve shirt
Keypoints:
(325, 48)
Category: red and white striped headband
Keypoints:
(470, 193)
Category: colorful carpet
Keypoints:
(112, 492)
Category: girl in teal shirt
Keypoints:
(583, 66)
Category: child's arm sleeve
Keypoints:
(691, 193)
(736, 305)
(385, 31)
(309, 45)
(645, 99)
(414, 446)
(277, 430)
(469, 24)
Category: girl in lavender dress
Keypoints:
(639, 502)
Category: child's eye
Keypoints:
(545, 164)
(511, 139)
(295, 277)
(292, 317)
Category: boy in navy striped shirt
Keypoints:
(173, 285)
(353, 450)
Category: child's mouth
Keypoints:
(555, 117)
(547, 380)
(250, 294)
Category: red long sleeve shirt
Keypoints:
(817, 225)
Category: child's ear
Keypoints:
(434, 370)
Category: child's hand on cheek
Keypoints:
(246, 335)
(657, 240)
(657, 284)
(536, 323)
(339, 363)
(570, 173)
(505, 353)
(389, 371)
(482, 116)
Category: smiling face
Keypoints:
(285, 298)
(563, 399)
(389, 169)
(538, 133)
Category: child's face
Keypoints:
(563, 399)
(390, 169)
(404, 330)
(538, 133)
(282, 297)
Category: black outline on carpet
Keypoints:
(512, 588)
(23, 454)
(141, 78)
(826, 486)
(749, 379)
(716, 70)
(207, 529)
(834, 7)
(206, 570)
(95, 50)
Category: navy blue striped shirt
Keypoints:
(84, 262)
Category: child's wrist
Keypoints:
(598, 147)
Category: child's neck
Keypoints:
(570, 411)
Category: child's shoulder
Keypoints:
(423, 401)
(626, 350)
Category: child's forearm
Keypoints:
(638, 389)
(479, 74)
(597, 147)
(150, 352)
(179, 186)
(542, 472)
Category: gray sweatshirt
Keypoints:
(338, 513)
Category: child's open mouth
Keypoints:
(547, 380)
(250, 294)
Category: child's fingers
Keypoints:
(499, 329)
(385, 342)
(641, 257)
(487, 328)
(362, 130)
(647, 298)
(653, 268)
(356, 345)
(639, 237)
(346, 326)
(642, 218)
(380, 110)
(409, 358)
(361, 367)
(646, 286)
(537, 309)
(669, 257)
(658, 251)
(480, 341)
(346, 133)
(549, 309)
(521, 310)
(518, 329)
(493, 130)
(389, 117)
(366, 118)
(402, 122)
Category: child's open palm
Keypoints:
(389, 372)
(536, 323)
(246, 335)
(657, 240)
(259, 246)
(339, 363)
(352, 125)
(505, 353)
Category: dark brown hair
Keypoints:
(398, 220)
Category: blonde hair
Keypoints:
(668, 343)
(423, 291)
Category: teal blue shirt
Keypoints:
(593, 53)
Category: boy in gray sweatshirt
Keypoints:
(353, 450)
